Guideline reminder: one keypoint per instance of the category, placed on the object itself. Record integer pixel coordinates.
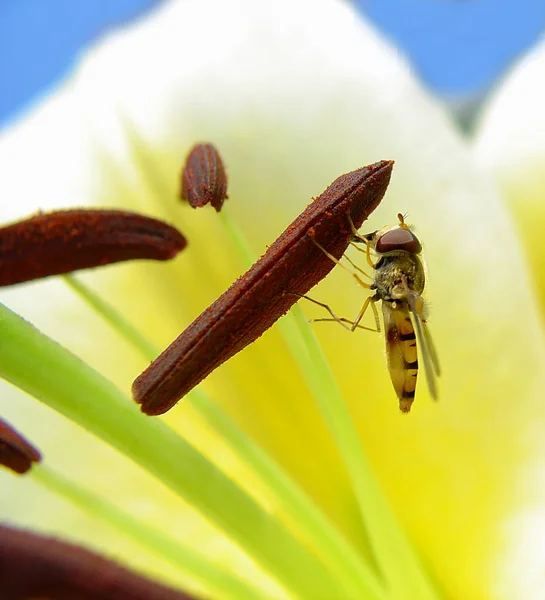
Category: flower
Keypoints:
(293, 95)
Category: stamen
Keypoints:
(64, 241)
(204, 180)
(35, 566)
(16, 453)
(290, 267)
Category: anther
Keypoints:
(63, 241)
(293, 263)
(16, 453)
(204, 180)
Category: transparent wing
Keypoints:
(427, 347)
(431, 348)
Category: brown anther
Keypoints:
(35, 566)
(15, 452)
(292, 265)
(204, 180)
(64, 241)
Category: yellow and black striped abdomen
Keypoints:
(401, 351)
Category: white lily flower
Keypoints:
(293, 94)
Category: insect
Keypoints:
(399, 280)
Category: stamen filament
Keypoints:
(113, 317)
(238, 239)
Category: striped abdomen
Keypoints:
(401, 351)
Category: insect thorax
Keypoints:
(392, 270)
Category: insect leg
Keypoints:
(371, 300)
(367, 253)
(355, 266)
(357, 235)
(338, 262)
(341, 320)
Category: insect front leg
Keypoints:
(367, 252)
(357, 237)
(355, 266)
(360, 282)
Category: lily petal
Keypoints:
(510, 144)
(293, 95)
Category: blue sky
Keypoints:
(459, 47)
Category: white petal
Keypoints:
(510, 145)
(510, 138)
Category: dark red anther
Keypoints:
(35, 566)
(15, 452)
(64, 241)
(204, 180)
(292, 265)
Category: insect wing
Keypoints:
(427, 348)
(431, 349)
(401, 352)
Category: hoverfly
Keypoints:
(398, 282)
(399, 279)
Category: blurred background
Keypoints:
(459, 48)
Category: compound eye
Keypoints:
(398, 239)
